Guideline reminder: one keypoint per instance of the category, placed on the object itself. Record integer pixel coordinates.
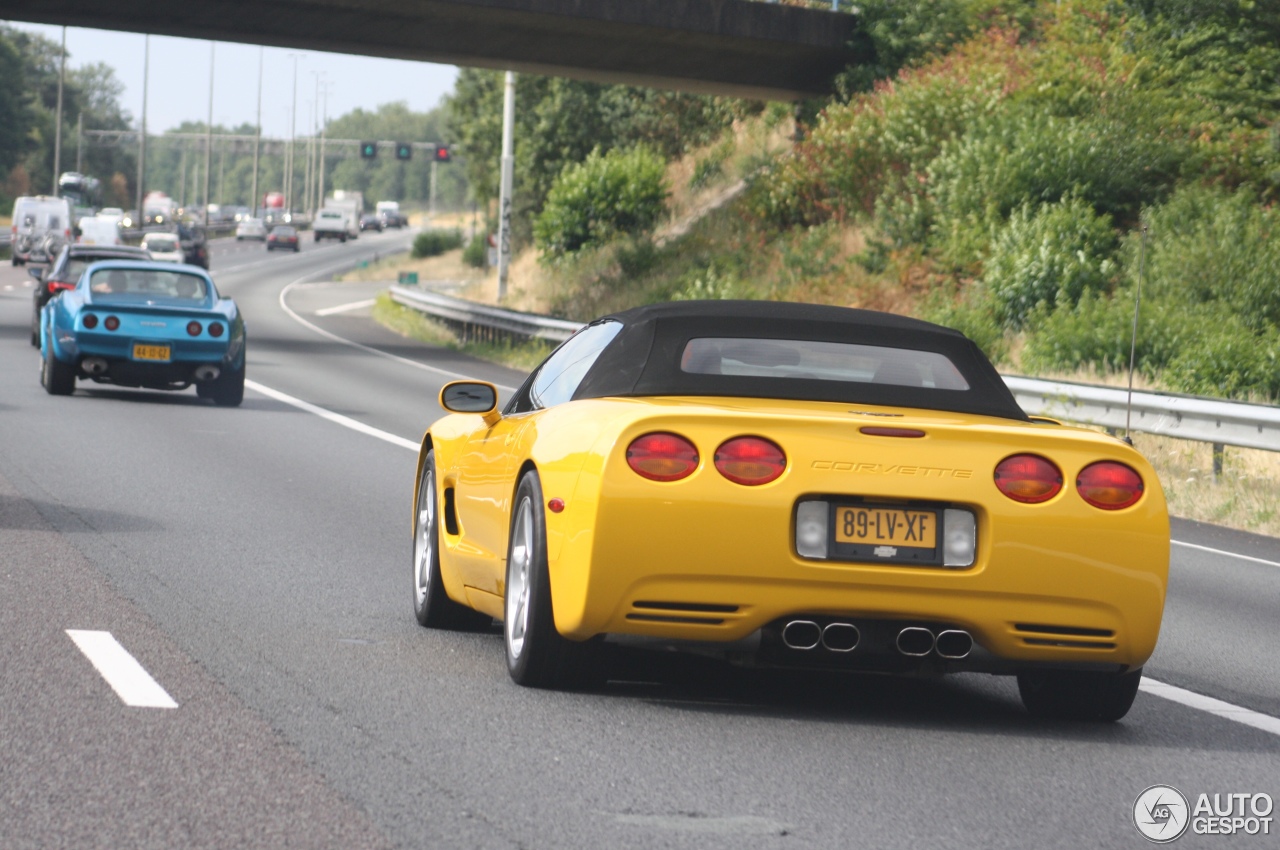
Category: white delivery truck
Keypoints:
(352, 205)
(41, 226)
(332, 223)
(99, 230)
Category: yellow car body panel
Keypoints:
(707, 559)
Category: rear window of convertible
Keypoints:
(823, 361)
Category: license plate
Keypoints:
(886, 527)
(150, 352)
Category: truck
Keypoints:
(351, 204)
(389, 212)
(332, 223)
(42, 224)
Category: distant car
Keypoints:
(371, 221)
(242, 213)
(164, 247)
(283, 237)
(195, 245)
(112, 214)
(66, 270)
(251, 228)
(806, 486)
(144, 324)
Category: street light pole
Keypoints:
(293, 132)
(257, 139)
(324, 121)
(504, 186)
(142, 136)
(57, 132)
(208, 137)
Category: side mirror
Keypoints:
(37, 273)
(471, 397)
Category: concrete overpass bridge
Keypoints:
(727, 47)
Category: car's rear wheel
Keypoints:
(226, 390)
(537, 655)
(58, 378)
(431, 604)
(1078, 695)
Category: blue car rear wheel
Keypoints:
(56, 377)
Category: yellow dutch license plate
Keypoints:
(886, 527)
(150, 352)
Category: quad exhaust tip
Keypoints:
(915, 641)
(802, 634)
(954, 644)
(840, 637)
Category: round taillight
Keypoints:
(215, 329)
(750, 460)
(193, 328)
(111, 323)
(662, 457)
(1109, 485)
(1028, 478)
(90, 321)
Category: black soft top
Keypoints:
(644, 358)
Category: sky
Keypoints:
(178, 89)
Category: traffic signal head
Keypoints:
(368, 150)
(442, 153)
(404, 150)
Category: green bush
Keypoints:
(433, 243)
(476, 254)
(1229, 363)
(1023, 156)
(1176, 343)
(1207, 245)
(880, 144)
(620, 192)
(1049, 255)
(970, 314)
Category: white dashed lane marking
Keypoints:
(131, 682)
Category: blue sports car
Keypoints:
(136, 323)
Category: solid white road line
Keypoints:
(1224, 552)
(1216, 707)
(453, 376)
(346, 308)
(122, 671)
(336, 418)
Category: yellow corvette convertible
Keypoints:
(793, 485)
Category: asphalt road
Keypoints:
(255, 561)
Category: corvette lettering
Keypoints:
(892, 469)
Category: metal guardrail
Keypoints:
(480, 321)
(1207, 420)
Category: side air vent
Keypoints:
(699, 607)
(662, 618)
(1068, 631)
(651, 611)
(1069, 644)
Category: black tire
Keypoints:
(537, 655)
(342, 238)
(432, 606)
(1076, 695)
(227, 390)
(57, 377)
(17, 262)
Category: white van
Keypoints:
(41, 226)
(97, 230)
